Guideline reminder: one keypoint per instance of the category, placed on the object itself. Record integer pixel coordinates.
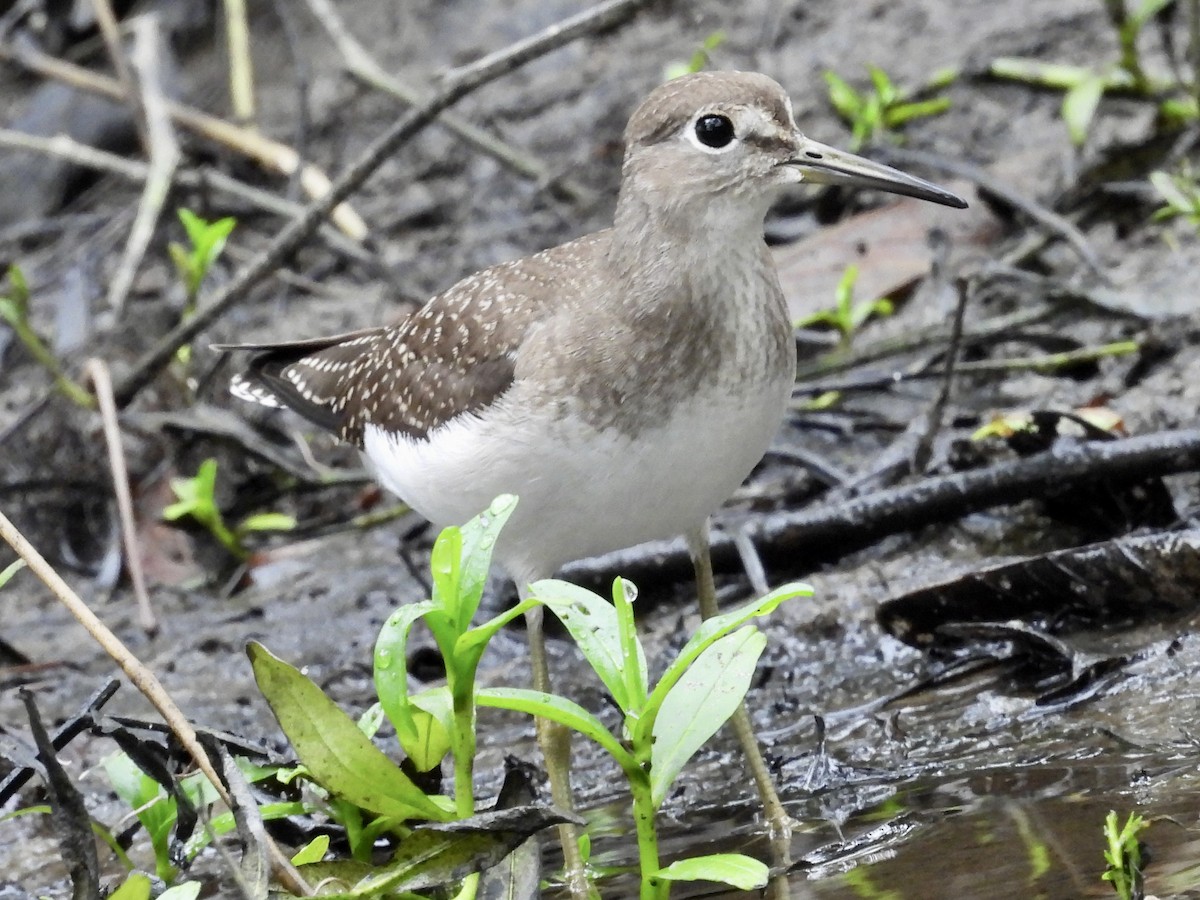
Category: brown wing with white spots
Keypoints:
(307, 376)
(456, 355)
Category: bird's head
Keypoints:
(729, 138)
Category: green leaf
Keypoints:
(135, 887)
(150, 803)
(742, 872)
(445, 565)
(10, 570)
(478, 540)
(700, 703)
(19, 288)
(884, 88)
(1147, 10)
(391, 672)
(313, 851)
(710, 631)
(1079, 106)
(340, 757)
(440, 855)
(906, 112)
(847, 101)
(592, 623)
(189, 890)
(268, 521)
(556, 709)
(473, 642)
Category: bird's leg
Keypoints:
(779, 823)
(555, 742)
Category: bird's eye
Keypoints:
(714, 131)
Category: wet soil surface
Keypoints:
(982, 766)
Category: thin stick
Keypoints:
(141, 678)
(458, 84)
(241, 70)
(362, 65)
(269, 153)
(96, 372)
(163, 152)
(202, 179)
(111, 33)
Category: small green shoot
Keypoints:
(14, 311)
(699, 61)
(664, 724)
(159, 815)
(1180, 194)
(1085, 86)
(1123, 855)
(197, 501)
(10, 570)
(883, 108)
(847, 314)
(206, 240)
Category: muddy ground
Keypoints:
(981, 769)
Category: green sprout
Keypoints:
(1083, 86)
(1123, 855)
(192, 263)
(196, 500)
(138, 887)
(1180, 194)
(884, 108)
(14, 310)
(664, 724)
(700, 59)
(847, 315)
(158, 812)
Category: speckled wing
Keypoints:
(455, 356)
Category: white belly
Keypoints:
(582, 492)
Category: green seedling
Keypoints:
(374, 797)
(197, 501)
(1123, 855)
(206, 240)
(1180, 194)
(847, 315)
(10, 570)
(137, 887)
(883, 108)
(700, 59)
(158, 812)
(663, 727)
(664, 724)
(14, 311)
(1083, 86)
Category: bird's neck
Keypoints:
(659, 243)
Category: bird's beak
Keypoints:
(822, 164)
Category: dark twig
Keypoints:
(362, 65)
(72, 824)
(911, 451)
(67, 732)
(457, 84)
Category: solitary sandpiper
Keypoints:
(622, 385)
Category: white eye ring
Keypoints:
(712, 133)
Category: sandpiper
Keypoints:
(622, 385)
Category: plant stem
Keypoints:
(647, 836)
(463, 692)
